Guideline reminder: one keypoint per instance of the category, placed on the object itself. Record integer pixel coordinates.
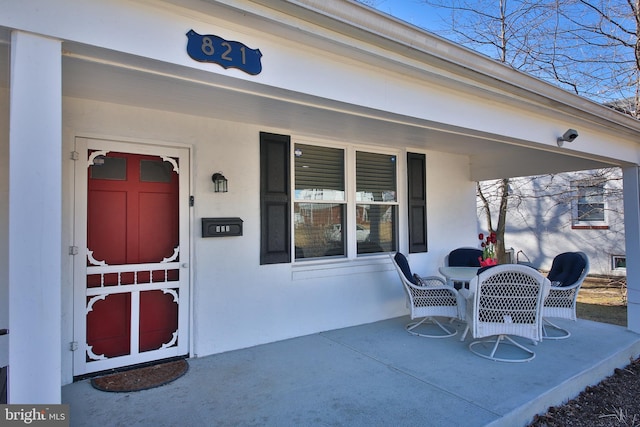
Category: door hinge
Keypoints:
(73, 250)
(191, 200)
(75, 155)
(73, 345)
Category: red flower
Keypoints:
(488, 246)
(488, 262)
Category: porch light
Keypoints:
(219, 182)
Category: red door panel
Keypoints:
(109, 326)
(157, 226)
(107, 211)
(158, 319)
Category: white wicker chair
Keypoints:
(427, 301)
(504, 301)
(571, 267)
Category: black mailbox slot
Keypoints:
(220, 227)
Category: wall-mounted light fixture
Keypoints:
(570, 135)
(219, 182)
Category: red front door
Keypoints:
(133, 287)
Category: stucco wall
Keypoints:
(297, 51)
(4, 222)
(542, 226)
(237, 302)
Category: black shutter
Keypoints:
(275, 199)
(416, 178)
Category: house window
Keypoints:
(376, 202)
(589, 206)
(319, 201)
(618, 262)
(327, 219)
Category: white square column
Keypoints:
(631, 185)
(35, 241)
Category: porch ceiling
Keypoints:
(116, 78)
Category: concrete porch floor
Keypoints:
(369, 375)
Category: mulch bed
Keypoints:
(142, 378)
(612, 402)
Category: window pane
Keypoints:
(591, 194)
(319, 229)
(375, 228)
(155, 171)
(591, 203)
(591, 212)
(319, 173)
(113, 168)
(375, 177)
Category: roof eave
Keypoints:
(372, 26)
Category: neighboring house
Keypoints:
(573, 211)
(343, 135)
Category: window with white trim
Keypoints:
(376, 202)
(327, 219)
(589, 205)
(618, 262)
(319, 206)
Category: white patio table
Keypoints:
(459, 274)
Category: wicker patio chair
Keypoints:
(427, 298)
(567, 274)
(505, 301)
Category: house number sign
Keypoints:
(228, 54)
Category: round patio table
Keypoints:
(459, 274)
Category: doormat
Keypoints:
(142, 378)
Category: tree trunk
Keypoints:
(502, 222)
(501, 225)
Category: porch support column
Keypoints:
(631, 192)
(35, 242)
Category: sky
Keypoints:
(415, 12)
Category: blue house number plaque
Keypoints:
(229, 54)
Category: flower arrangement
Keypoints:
(488, 250)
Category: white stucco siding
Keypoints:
(4, 224)
(297, 53)
(618, 146)
(632, 243)
(555, 235)
(240, 303)
(451, 208)
(241, 307)
(544, 226)
(34, 211)
(237, 302)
